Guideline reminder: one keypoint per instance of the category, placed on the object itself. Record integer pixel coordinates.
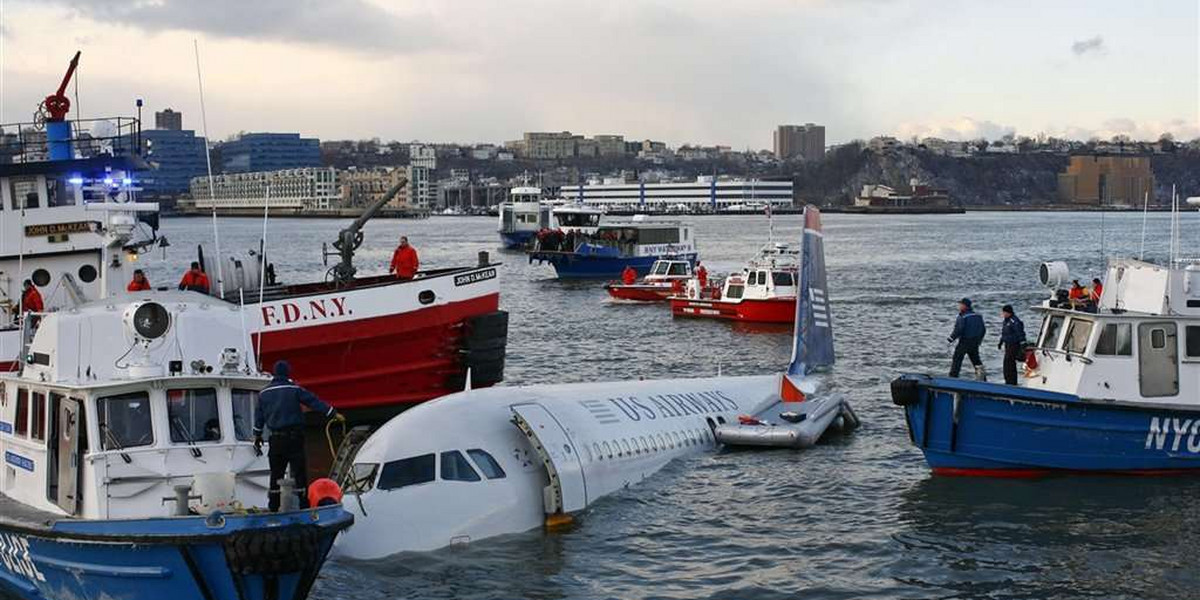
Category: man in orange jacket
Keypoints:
(139, 283)
(31, 298)
(194, 280)
(404, 260)
(628, 276)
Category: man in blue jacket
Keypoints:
(1012, 338)
(969, 330)
(279, 410)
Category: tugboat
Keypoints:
(1116, 388)
(72, 225)
(613, 246)
(664, 278)
(522, 217)
(763, 292)
(130, 468)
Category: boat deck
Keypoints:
(18, 515)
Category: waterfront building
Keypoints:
(703, 194)
(308, 188)
(805, 142)
(1108, 180)
(548, 146)
(260, 152)
(422, 189)
(922, 195)
(422, 155)
(362, 187)
(609, 145)
(176, 155)
(168, 119)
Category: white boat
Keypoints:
(525, 214)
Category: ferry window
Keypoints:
(783, 279)
(1116, 339)
(734, 292)
(88, 273)
(491, 469)
(58, 193)
(678, 269)
(24, 192)
(244, 402)
(192, 416)
(1158, 339)
(659, 236)
(22, 426)
(39, 417)
(456, 468)
(40, 277)
(405, 472)
(124, 421)
(1078, 333)
(1192, 333)
(1050, 331)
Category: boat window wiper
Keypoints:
(114, 442)
(187, 437)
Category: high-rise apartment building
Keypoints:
(806, 142)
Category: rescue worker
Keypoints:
(404, 260)
(139, 283)
(969, 330)
(628, 276)
(702, 275)
(1096, 291)
(1012, 340)
(31, 298)
(1077, 295)
(194, 280)
(279, 410)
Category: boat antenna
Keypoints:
(1102, 215)
(1174, 249)
(245, 334)
(212, 196)
(262, 271)
(1145, 212)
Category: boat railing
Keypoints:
(107, 136)
(1069, 355)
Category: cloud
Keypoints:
(958, 129)
(356, 25)
(1093, 45)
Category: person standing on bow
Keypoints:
(969, 330)
(280, 410)
(701, 275)
(1012, 340)
(404, 260)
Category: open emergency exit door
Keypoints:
(567, 491)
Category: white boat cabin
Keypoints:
(770, 275)
(645, 237)
(576, 219)
(524, 211)
(1142, 343)
(669, 270)
(118, 402)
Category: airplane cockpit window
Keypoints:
(488, 465)
(456, 468)
(407, 471)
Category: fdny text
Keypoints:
(320, 309)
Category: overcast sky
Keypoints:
(703, 71)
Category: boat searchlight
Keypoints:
(1054, 275)
(147, 320)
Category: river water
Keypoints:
(855, 517)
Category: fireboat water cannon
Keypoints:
(350, 238)
(52, 113)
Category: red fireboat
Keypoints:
(667, 277)
(763, 292)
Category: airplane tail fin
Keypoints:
(812, 341)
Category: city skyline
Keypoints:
(696, 74)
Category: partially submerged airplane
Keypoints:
(510, 459)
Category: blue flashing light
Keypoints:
(75, 180)
(108, 181)
(127, 181)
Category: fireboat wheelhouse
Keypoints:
(763, 292)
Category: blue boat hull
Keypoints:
(245, 557)
(514, 240)
(976, 428)
(574, 265)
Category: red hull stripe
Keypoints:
(1036, 473)
(756, 311)
(398, 359)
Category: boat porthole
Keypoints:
(87, 273)
(41, 277)
(426, 297)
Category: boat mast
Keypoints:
(212, 197)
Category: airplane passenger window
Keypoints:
(491, 469)
(608, 450)
(405, 472)
(625, 448)
(456, 468)
(596, 449)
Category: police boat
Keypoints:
(129, 464)
(1113, 388)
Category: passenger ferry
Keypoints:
(576, 218)
(763, 292)
(522, 217)
(665, 277)
(1115, 389)
(130, 469)
(614, 246)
